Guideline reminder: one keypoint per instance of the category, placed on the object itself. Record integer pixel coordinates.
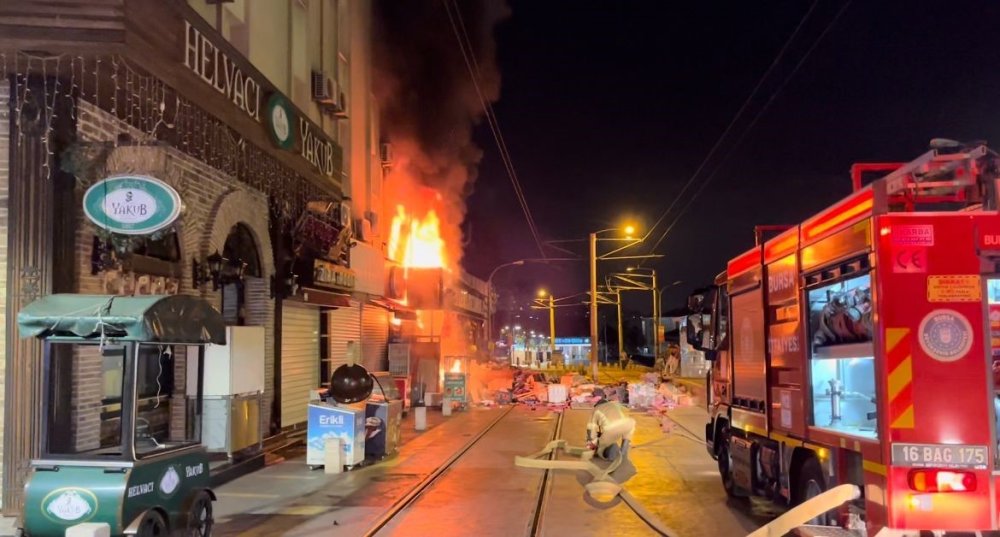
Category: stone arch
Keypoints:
(240, 207)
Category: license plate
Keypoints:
(940, 456)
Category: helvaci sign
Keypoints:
(132, 204)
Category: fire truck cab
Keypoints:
(861, 346)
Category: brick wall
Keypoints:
(214, 203)
(4, 196)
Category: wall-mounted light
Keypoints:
(209, 271)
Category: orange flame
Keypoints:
(416, 242)
(456, 366)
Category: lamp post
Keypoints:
(552, 320)
(489, 301)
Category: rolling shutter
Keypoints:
(299, 361)
(344, 325)
(374, 337)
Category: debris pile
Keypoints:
(531, 387)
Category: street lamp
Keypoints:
(489, 300)
(542, 293)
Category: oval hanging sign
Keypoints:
(132, 204)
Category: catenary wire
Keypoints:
(732, 122)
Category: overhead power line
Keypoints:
(753, 122)
(465, 46)
(736, 118)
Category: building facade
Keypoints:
(259, 116)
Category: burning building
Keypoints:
(429, 103)
(447, 328)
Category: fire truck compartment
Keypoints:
(842, 360)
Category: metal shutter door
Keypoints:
(299, 361)
(345, 325)
(374, 337)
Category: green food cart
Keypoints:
(119, 443)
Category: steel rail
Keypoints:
(402, 503)
(546, 485)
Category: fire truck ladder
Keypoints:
(943, 175)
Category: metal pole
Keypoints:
(552, 326)
(593, 305)
(489, 319)
(621, 338)
(656, 322)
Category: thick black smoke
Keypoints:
(429, 103)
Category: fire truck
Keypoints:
(862, 346)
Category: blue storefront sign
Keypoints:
(327, 421)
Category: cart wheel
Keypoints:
(200, 519)
(152, 525)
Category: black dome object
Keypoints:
(350, 384)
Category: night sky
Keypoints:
(608, 108)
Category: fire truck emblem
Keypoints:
(945, 335)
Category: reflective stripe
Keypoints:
(874, 467)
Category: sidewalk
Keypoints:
(290, 499)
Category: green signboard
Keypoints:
(280, 121)
(132, 204)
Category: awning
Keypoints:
(156, 319)
(400, 311)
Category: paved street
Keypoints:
(483, 493)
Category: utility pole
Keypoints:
(621, 337)
(552, 326)
(656, 322)
(593, 305)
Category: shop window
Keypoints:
(165, 248)
(842, 357)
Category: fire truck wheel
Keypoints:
(725, 464)
(809, 484)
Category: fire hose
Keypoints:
(808, 510)
(602, 488)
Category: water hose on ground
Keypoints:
(808, 510)
(603, 487)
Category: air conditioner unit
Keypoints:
(340, 109)
(385, 152)
(325, 90)
(363, 229)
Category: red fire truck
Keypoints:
(861, 346)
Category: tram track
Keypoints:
(400, 509)
(403, 503)
(546, 485)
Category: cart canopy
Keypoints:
(157, 319)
